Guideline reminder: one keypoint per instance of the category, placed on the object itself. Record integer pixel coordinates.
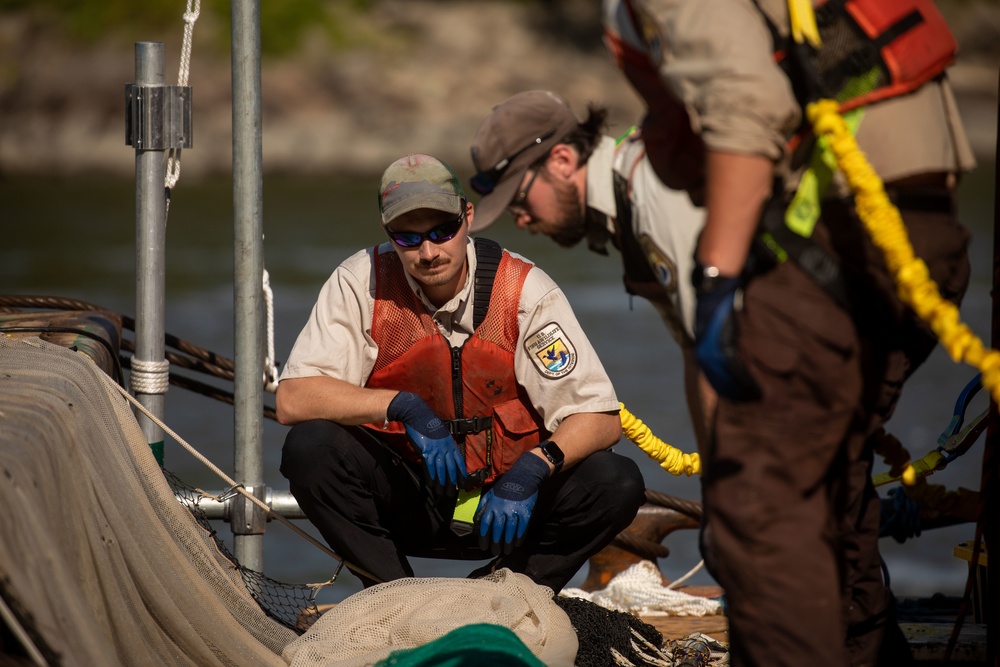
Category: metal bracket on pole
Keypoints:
(157, 118)
(247, 518)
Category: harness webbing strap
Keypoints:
(636, 265)
(779, 244)
(804, 210)
(488, 255)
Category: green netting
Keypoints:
(468, 646)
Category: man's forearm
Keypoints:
(584, 433)
(736, 188)
(321, 397)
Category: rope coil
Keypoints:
(149, 377)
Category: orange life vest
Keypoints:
(472, 388)
(876, 49)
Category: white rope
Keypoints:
(693, 571)
(11, 621)
(149, 377)
(270, 367)
(640, 590)
(174, 154)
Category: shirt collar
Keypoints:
(601, 206)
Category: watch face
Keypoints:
(552, 452)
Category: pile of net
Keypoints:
(367, 627)
(99, 563)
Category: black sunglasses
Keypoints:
(443, 232)
(484, 182)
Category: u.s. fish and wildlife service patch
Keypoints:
(551, 350)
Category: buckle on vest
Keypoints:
(469, 425)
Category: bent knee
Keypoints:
(619, 478)
(307, 445)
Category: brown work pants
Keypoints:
(791, 517)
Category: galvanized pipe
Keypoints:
(280, 502)
(248, 523)
(150, 215)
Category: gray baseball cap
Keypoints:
(520, 130)
(418, 181)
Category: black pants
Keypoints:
(374, 508)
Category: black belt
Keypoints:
(933, 200)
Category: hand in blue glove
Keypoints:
(428, 434)
(505, 510)
(715, 334)
(900, 516)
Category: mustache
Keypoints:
(434, 263)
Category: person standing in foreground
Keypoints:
(567, 179)
(435, 371)
(808, 364)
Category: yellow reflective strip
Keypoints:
(780, 254)
(465, 506)
(803, 211)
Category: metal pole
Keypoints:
(248, 521)
(150, 213)
(990, 484)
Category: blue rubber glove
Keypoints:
(715, 342)
(900, 516)
(505, 510)
(428, 434)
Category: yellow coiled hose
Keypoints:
(912, 278)
(670, 458)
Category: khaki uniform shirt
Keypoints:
(336, 340)
(716, 55)
(665, 223)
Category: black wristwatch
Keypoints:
(706, 278)
(553, 454)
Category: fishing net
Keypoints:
(411, 612)
(611, 637)
(292, 605)
(99, 563)
(468, 646)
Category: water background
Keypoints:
(75, 238)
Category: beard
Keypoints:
(571, 225)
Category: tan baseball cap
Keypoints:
(418, 181)
(520, 130)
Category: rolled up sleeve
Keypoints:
(718, 59)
